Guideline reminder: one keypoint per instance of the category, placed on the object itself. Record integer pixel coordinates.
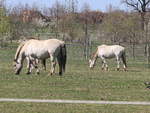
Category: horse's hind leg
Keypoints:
(124, 67)
(60, 65)
(53, 64)
(124, 62)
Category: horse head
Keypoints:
(91, 63)
(17, 66)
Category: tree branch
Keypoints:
(147, 2)
(133, 4)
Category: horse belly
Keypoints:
(42, 55)
(108, 56)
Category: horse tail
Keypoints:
(124, 58)
(64, 57)
(18, 50)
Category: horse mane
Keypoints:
(31, 37)
(94, 54)
(18, 50)
(21, 45)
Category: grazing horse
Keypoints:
(42, 49)
(107, 52)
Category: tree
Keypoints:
(113, 26)
(85, 18)
(4, 23)
(72, 5)
(141, 6)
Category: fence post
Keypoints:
(148, 55)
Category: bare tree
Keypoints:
(72, 5)
(86, 10)
(141, 6)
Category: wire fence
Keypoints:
(80, 51)
(77, 51)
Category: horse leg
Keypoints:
(105, 64)
(35, 64)
(118, 63)
(29, 66)
(123, 57)
(60, 65)
(44, 63)
(53, 64)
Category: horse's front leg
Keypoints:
(104, 65)
(29, 65)
(35, 64)
(44, 64)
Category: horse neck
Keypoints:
(19, 50)
(21, 57)
(94, 58)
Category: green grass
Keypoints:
(78, 83)
(69, 108)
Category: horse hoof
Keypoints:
(117, 69)
(16, 73)
(125, 69)
(107, 69)
(60, 73)
(28, 73)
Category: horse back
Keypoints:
(110, 51)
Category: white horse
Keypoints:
(107, 52)
(42, 49)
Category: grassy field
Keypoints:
(78, 83)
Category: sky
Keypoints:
(101, 5)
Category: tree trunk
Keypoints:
(133, 50)
(143, 20)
